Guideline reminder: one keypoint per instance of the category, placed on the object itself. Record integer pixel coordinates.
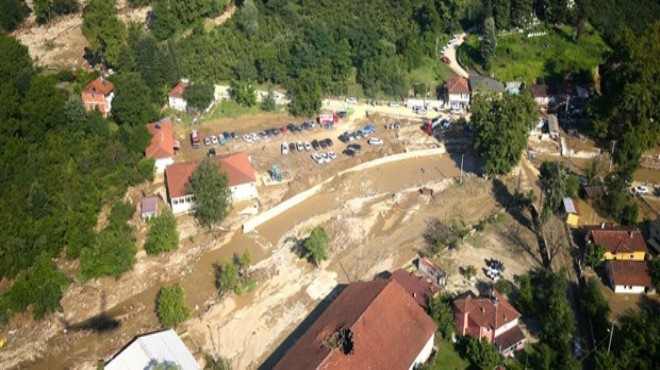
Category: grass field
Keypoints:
(447, 358)
(551, 57)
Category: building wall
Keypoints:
(634, 256)
(425, 353)
(629, 289)
(161, 163)
(464, 98)
(186, 203)
(178, 104)
(182, 204)
(505, 328)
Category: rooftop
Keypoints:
(100, 85)
(539, 91)
(630, 273)
(162, 139)
(237, 167)
(481, 310)
(485, 84)
(177, 91)
(619, 239)
(149, 205)
(417, 287)
(371, 325)
(161, 347)
(457, 85)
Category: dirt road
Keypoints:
(451, 54)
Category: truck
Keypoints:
(431, 125)
(194, 139)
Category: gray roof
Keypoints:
(569, 206)
(485, 84)
(144, 352)
(553, 123)
(149, 205)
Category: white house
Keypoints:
(540, 95)
(147, 351)
(628, 276)
(241, 176)
(175, 98)
(162, 144)
(457, 92)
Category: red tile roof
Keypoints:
(539, 91)
(177, 91)
(162, 140)
(619, 239)
(481, 310)
(457, 85)
(237, 167)
(99, 85)
(417, 287)
(631, 273)
(388, 331)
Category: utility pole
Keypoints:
(462, 168)
(612, 155)
(609, 345)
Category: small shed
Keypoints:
(553, 126)
(429, 270)
(149, 207)
(572, 212)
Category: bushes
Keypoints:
(147, 168)
(316, 245)
(163, 235)
(171, 308)
(440, 310)
(235, 276)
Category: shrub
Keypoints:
(171, 307)
(316, 245)
(163, 235)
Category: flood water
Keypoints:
(199, 285)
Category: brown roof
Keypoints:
(162, 140)
(237, 167)
(388, 331)
(100, 85)
(619, 239)
(631, 273)
(481, 310)
(509, 338)
(417, 287)
(457, 85)
(149, 204)
(177, 91)
(539, 91)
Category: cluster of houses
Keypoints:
(380, 324)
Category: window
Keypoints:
(189, 199)
(632, 256)
(175, 201)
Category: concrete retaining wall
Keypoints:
(253, 223)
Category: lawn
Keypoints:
(551, 57)
(447, 357)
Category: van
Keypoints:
(194, 139)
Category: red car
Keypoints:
(446, 60)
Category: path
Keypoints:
(451, 54)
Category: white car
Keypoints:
(393, 104)
(316, 157)
(325, 158)
(375, 141)
(444, 49)
(214, 139)
(332, 155)
(247, 138)
(351, 100)
(308, 146)
(254, 136)
(299, 146)
(207, 141)
(641, 190)
(285, 148)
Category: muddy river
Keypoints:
(199, 284)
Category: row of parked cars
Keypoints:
(321, 158)
(293, 128)
(221, 139)
(301, 146)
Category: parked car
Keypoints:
(307, 145)
(324, 158)
(446, 60)
(369, 129)
(214, 139)
(345, 137)
(283, 130)
(226, 135)
(248, 138)
(332, 155)
(316, 157)
(329, 142)
(641, 190)
(323, 144)
(254, 136)
(207, 141)
(355, 147)
(349, 152)
(234, 135)
(351, 100)
(285, 148)
(292, 127)
(341, 114)
(299, 146)
(292, 147)
(421, 111)
(212, 152)
(393, 104)
(315, 145)
(375, 141)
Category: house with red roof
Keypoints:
(540, 95)
(628, 276)
(241, 176)
(175, 97)
(370, 325)
(418, 287)
(457, 91)
(489, 316)
(98, 96)
(162, 145)
(620, 242)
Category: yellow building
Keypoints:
(620, 242)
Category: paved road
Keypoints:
(451, 54)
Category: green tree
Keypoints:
(470, 272)
(15, 61)
(553, 178)
(595, 306)
(572, 186)
(488, 41)
(243, 93)
(316, 245)
(103, 30)
(594, 255)
(171, 307)
(244, 262)
(163, 235)
(552, 307)
(482, 354)
(439, 308)
(654, 269)
(217, 363)
(12, 13)
(604, 360)
(132, 105)
(227, 277)
(268, 103)
(212, 195)
(521, 12)
(43, 107)
(306, 95)
(147, 168)
(501, 127)
(41, 10)
(502, 13)
(199, 95)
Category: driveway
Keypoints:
(451, 54)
